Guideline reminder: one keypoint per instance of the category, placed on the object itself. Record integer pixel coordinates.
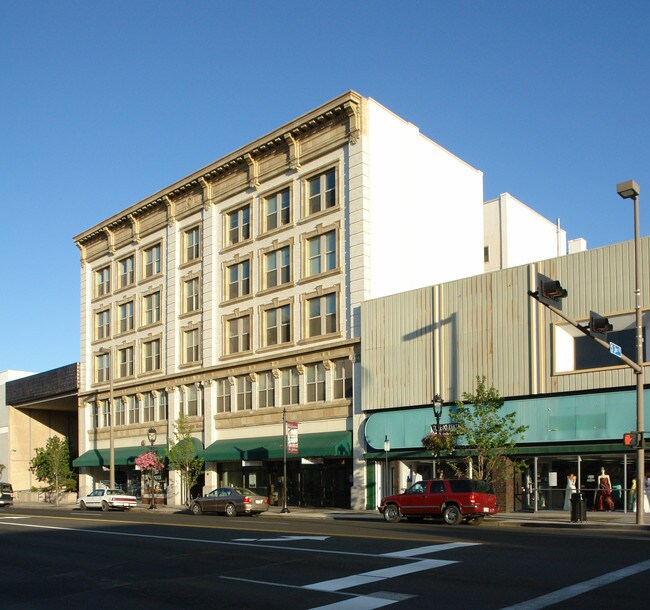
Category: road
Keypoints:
(144, 559)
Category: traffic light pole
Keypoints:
(637, 367)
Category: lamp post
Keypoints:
(630, 190)
(151, 435)
(111, 434)
(386, 476)
(437, 411)
(437, 403)
(284, 462)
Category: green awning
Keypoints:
(123, 455)
(318, 444)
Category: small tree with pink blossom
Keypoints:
(152, 462)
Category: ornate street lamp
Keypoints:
(151, 435)
(437, 411)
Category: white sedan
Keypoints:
(107, 499)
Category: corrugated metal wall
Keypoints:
(488, 325)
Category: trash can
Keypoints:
(578, 507)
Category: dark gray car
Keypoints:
(231, 501)
(6, 494)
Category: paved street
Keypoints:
(170, 559)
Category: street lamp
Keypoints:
(437, 411)
(387, 476)
(151, 435)
(630, 190)
(111, 434)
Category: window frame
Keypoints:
(102, 324)
(281, 269)
(265, 390)
(323, 257)
(241, 286)
(315, 382)
(238, 322)
(126, 278)
(238, 225)
(324, 300)
(125, 362)
(281, 329)
(291, 390)
(191, 352)
(151, 265)
(321, 178)
(192, 300)
(157, 308)
(126, 324)
(155, 358)
(103, 281)
(282, 213)
(192, 244)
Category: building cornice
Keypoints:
(347, 105)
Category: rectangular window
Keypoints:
(223, 396)
(162, 406)
(322, 253)
(94, 415)
(120, 409)
(191, 295)
(134, 411)
(191, 400)
(106, 413)
(127, 271)
(239, 225)
(343, 378)
(151, 356)
(321, 312)
(239, 279)
(277, 322)
(322, 192)
(244, 393)
(266, 390)
(126, 317)
(192, 244)
(277, 267)
(315, 382)
(103, 324)
(290, 386)
(239, 335)
(125, 361)
(191, 344)
(148, 407)
(151, 308)
(102, 368)
(152, 261)
(102, 282)
(277, 210)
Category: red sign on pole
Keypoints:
(292, 437)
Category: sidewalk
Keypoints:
(546, 518)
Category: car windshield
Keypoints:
(468, 485)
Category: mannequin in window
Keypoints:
(604, 493)
(570, 490)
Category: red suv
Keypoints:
(453, 499)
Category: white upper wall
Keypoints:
(426, 208)
(516, 235)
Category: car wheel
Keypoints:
(196, 509)
(392, 514)
(104, 506)
(82, 505)
(231, 511)
(452, 515)
(475, 520)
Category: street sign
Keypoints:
(615, 350)
(444, 427)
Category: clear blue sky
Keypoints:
(104, 103)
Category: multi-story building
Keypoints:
(233, 297)
(576, 399)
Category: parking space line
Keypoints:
(433, 548)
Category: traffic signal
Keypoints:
(599, 325)
(549, 292)
(632, 439)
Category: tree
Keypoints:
(182, 457)
(52, 464)
(489, 433)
